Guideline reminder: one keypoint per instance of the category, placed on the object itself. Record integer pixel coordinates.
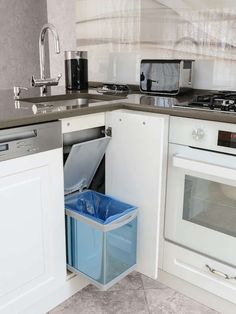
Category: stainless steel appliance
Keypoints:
(114, 89)
(76, 70)
(201, 188)
(166, 76)
(224, 101)
(31, 139)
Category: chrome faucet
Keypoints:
(43, 82)
(42, 48)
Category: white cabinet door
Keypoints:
(135, 172)
(32, 245)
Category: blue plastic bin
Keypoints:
(101, 237)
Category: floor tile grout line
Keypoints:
(142, 281)
(145, 296)
(146, 302)
(120, 290)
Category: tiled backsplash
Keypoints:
(118, 33)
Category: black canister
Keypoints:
(76, 70)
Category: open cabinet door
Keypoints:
(135, 173)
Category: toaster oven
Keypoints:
(166, 76)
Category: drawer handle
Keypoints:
(219, 273)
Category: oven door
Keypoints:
(201, 202)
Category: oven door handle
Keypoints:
(204, 167)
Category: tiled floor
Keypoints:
(135, 294)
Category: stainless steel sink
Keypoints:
(73, 99)
(78, 102)
(48, 104)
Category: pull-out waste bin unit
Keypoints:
(101, 231)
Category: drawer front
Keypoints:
(191, 267)
(83, 122)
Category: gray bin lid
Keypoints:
(82, 163)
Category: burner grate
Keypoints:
(221, 100)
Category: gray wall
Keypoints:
(20, 24)
(62, 14)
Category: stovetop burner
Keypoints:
(224, 101)
(220, 101)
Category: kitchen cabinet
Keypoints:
(32, 227)
(135, 160)
(135, 173)
(32, 233)
(191, 266)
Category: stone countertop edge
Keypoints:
(53, 116)
(111, 105)
(185, 113)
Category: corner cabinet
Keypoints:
(32, 256)
(135, 173)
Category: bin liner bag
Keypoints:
(98, 207)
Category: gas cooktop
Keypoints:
(224, 101)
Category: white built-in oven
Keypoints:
(201, 187)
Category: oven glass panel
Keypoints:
(210, 204)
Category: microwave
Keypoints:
(164, 76)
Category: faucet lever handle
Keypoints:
(45, 81)
(17, 90)
(32, 81)
(59, 77)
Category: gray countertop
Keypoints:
(32, 108)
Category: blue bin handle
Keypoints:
(123, 220)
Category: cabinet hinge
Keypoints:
(108, 131)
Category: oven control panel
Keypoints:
(227, 139)
(203, 134)
(198, 134)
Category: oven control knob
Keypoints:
(198, 134)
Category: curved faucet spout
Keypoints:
(42, 44)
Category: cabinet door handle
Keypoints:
(219, 273)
